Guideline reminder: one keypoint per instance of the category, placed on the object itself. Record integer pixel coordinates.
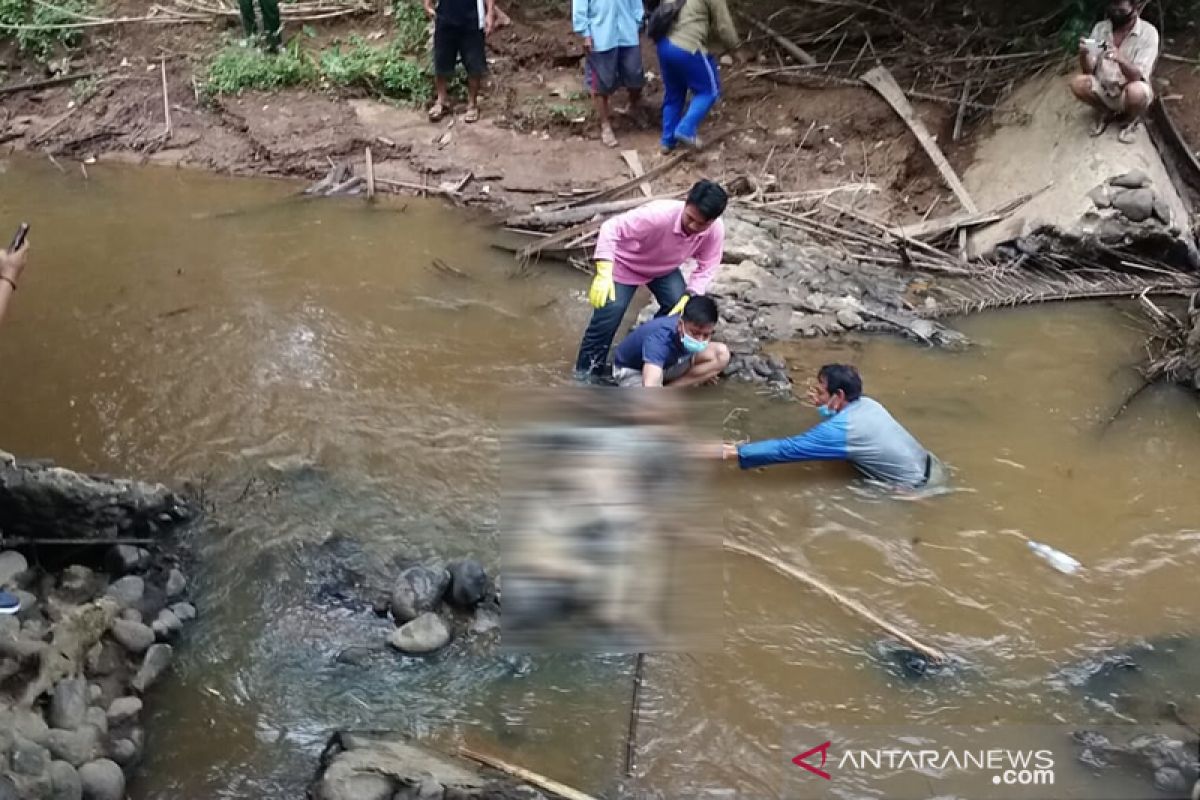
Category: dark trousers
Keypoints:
(597, 339)
(272, 29)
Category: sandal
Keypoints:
(1129, 132)
(1100, 125)
(438, 112)
(607, 136)
(472, 114)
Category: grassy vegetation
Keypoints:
(398, 69)
(239, 67)
(42, 44)
(382, 71)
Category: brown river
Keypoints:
(303, 362)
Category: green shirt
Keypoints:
(701, 24)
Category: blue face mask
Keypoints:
(826, 411)
(693, 346)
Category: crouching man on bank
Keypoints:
(675, 351)
(856, 429)
(1116, 63)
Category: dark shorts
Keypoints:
(609, 70)
(452, 41)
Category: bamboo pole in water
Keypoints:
(530, 777)
(934, 654)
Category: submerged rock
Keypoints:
(426, 633)
(124, 709)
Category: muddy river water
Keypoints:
(305, 364)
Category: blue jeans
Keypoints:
(683, 71)
(597, 339)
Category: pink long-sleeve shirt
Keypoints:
(649, 242)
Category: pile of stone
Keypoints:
(777, 284)
(75, 661)
(1130, 199)
(432, 604)
(1171, 763)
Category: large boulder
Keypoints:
(418, 589)
(468, 583)
(365, 767)
(424, 634)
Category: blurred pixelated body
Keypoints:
(608, 543)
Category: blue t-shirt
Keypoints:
(655, 342)
(863, 433)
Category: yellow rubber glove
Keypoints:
(603, 290)
(678, 309)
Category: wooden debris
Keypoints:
(166, 101)
(338, 174)
(528, 776)
(790, 47)
(635, 713)
(370, 166)
(573, 216)
(634, 161)
(881, 80)
(45, 84)
(934, 654)
(666, 166)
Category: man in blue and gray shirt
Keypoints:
(856, 429)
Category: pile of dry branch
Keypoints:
(939, 52)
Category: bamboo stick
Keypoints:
(528, 776)
(934, 654)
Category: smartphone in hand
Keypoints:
(19, 238)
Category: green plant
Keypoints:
(239, 67)
(383, 70)
(41, 42)
(82, 91)
(412, 25)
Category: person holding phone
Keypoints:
(12, 264)
(1116, 64)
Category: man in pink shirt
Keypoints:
(647, 246)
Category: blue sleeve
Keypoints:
(580, 21)
(824, 442)
(656, 347)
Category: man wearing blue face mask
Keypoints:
(856, 429)
(673, 350)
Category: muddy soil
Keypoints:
(537, 138)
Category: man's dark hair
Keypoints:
(701, 311)
(709, 198)
(841, 378)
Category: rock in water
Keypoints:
(133, 636)
(418, 590)
(12, 564)
(167, 624)
(102, 780)
(157, 659)
(64, 782)
(424, 634)
(1135, 179)
(28, 758)
(124, 558)
(123, 709)
(468, 583)
(1136, 204)
(186, 612)
(127, 591)
(69, 703)
(123, 751)
(176, 583)
(76, 747)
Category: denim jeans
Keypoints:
(597, 339)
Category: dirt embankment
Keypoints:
(536, 141)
